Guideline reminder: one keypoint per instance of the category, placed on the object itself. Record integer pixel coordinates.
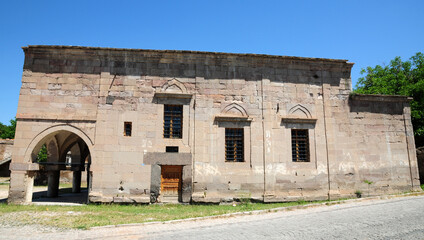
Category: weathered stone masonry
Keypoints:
(86, 95)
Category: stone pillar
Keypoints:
(20, 190)
(155, 181)
(53, 184)
(186, 184)
(76, 182)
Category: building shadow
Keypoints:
(65, 196)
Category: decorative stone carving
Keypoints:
(174, 86)
(299, 114)
(299, 111)
(233, 112)
(173, 89)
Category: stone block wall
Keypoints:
(371, 146)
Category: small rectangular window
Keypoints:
(300, 145)
(234, 141)
(172, 121)
(171, 149)
(127, 129)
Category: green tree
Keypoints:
(399, 78)
(42, 154)
(8, 131)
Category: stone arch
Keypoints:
(37, 141)
(174, 86)
(60, 139)
(235, 109)
(300, 111)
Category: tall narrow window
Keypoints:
(300, 145)
(127, 129)
(172, 121)
(234, 141)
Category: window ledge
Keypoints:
(231, 118)
(298, 120)
(173, 95)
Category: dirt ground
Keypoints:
(4, 188)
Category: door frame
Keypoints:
(156, 160)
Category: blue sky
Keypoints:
(364, 32)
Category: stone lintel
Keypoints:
(298, 120)
(164, 158)
(24, 167)
(173, 95)
(229, 118)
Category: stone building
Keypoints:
(157, 126)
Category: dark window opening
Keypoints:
(172, 121)
(171, 149)
(234, 141)
(300, 145)
(127, 129)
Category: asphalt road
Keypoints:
(398, 218)
(394, 219)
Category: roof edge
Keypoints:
(25, 48)
(380, 97)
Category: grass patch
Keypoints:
(86, 216)
(422, 187)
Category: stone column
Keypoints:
(53, 184)
(76, 182)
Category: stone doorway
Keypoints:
(171, 183)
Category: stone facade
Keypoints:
(82, 98)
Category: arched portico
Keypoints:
(68, 150)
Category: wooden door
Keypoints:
(171, 180)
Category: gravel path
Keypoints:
(398, 218)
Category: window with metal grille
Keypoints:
(234, 141)
(300, 145)
(172, 121)
(127, 129)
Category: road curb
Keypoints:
(279, 209)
